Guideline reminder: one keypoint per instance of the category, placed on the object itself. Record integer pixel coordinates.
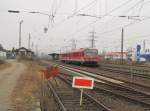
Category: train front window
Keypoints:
(91, 52)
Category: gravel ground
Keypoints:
(8, 79)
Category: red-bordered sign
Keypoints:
(83, 82)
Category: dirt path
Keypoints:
(8, 79)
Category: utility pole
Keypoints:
(76, 6)
(73, 44)
(144, 45)
(32, 46)
(66, 48)
(122, 40)
(20, 32)
(92, 40)
(36, 49)
(29, 42)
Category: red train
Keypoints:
(81, 56)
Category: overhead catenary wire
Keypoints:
(140, 9)
(83, 8)
(128, 17)
(135, 5)
(120, 6)
(127, 25)
(71, 15)
(54, 8)
(114, 9)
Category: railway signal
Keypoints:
(82, 82)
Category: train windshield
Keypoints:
(91, 52)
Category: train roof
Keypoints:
(77, 50)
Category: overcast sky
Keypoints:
(66, 25)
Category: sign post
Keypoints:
(81, 96)
(82, 82)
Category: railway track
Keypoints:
(135, 72)
(128, 84)
(68, 98)
(125, 91)
(118, 89)
(140, 71)
(129, 79)
(127, 66)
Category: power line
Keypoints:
(74, 44)
(66, 19)
(140, 9)
(120, 6)
(127, 25)
(29, 41)
(136, 4)
(83, 8)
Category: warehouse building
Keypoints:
(24, 53)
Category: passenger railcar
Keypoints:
(81, 56)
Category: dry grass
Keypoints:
(27, 92)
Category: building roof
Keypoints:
(17, 50)
(53, 54)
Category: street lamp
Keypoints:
(35, 12)
(20, 23)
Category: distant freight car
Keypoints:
(81, 56)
